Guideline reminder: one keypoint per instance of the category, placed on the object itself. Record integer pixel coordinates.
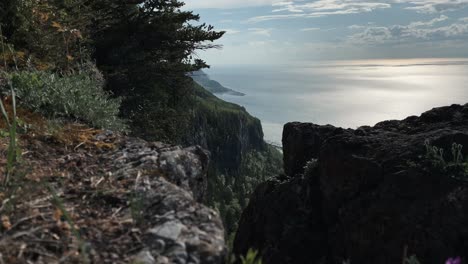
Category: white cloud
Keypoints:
(434, 6)
(309, 29)
(274, 17)
(227, 4)
(320, 8)
(428, 23)
(261, 31)
(355, 27)
(416, 31)
(230, 31)
(358, 6)
(464, 19)
(286, 6)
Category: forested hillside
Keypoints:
(123, 66)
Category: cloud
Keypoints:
(319, 8)
(309, 29)
(428, 23)
(330, 6)
(230, 31)
(227, 4)
(416, 31)
(355, 27)
(434, 6)
(261, 31)
(464, 19)
(286, 6)
(258, 19)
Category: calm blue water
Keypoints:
(346, 94)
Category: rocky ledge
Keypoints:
(90, 196)
(367, 195)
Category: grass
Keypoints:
(13, 150)
(58, 203)
(78, 96)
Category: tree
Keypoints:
(146, 48)
(51, 33)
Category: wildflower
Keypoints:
(456, 260)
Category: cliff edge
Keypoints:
(81, 195)
(371, 195)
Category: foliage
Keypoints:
(50, 34)
(411, 260)
(456, 167)
(77, 96)
(66, 215)
(146, 48)
(310, 166)
(12, 152)
(252, 257)
(230, 192)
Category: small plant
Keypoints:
(310, 166)
(12, 151)
(435, 155)
(136, 207)
(80, 96)
(456, 260)
(412, 260)
(60, 206)
(457, 168)
(252, 257)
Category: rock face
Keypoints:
(366, 200)
(175, 228)
(227, 130)
(131, 201)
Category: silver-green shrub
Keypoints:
(80, 96)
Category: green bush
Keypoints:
(78, 96)
(455, 167)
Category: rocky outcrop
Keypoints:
(130, 201)
(369, 198)
(227, 130)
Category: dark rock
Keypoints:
(302, 142)
(364, 202)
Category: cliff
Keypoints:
(240, 157)
(371, 195)
(82, 195)
(226, 129)
(212, 86)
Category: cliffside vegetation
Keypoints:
(124, 65)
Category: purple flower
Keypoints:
(456, 260)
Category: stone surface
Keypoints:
(366, 201)
(131, 201)
(170, 183)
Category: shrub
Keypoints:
(78, 96)
(456, 167)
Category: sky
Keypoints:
(299, 31)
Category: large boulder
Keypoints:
(367, 199)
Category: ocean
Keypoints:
(347, 94)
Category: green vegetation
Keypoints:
(78, 96)
(456, 166)
(58, 203)
(251, 258)
(241, 160)
(230, 193)
(12, 152)
(53, 53)
(411, 260)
